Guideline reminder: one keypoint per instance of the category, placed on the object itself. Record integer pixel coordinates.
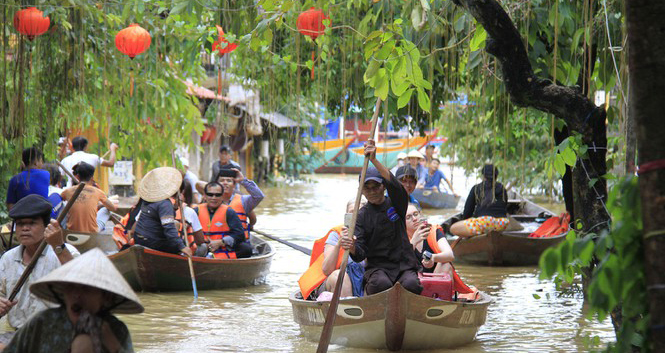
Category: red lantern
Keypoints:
(132, 40)
(217, 45)
(31, 22)
(310, 23)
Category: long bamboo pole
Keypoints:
(183, 232)
(326, 333)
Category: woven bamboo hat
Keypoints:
(415, 154)
(92, 269)
(160, 184)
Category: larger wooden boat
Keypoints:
(510, 247)
(155, 271)
(395, 319)
(435, 199)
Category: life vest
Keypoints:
(120, 233)
(216, 228)
(236, 205)
(181, 220)
(314, 276)
(458, 284)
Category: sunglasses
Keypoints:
(214, 195)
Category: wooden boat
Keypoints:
(85, 241)
(435, 199)
(510, 247)
(395, 319)
(155, 271)
(5, 242)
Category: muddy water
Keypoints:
(259, 318)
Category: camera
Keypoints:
(427, 255)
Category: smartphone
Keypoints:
(427, 255)
(347, 219)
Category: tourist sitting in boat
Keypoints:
(380, 232)
(54, 189)
(485, 207)
(32, 216)
(434, 176)
(32, 180)
(222, 226)
(408, 176)
(80, 144)
(401, 160)
(84, 215)
(88, 289)
(415, 159)
(155, 228)
(426, 237)
(323, 271)
(224, 162)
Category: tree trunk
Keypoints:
(647, 70)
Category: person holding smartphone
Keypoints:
(429, 243)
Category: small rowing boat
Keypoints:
(509, 247)
(435, 199)
(150, 270)
(395, 319)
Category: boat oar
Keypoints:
(183, 232)
(326, 333)
(69, 174)
(42, 245)
(302, 249)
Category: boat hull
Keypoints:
(394, 319)
(434, 199)
(86, 241)
(149, 270)
(507, 248)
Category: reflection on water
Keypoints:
(259, 319)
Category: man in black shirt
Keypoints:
(380, 232)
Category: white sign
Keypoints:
(122, 173)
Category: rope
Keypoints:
(654, 233)
(651, 166)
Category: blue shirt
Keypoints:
(433, 181)
(33, 181)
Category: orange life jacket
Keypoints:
(181, 221)
(458, 284)
(236, 205)
(216, 228)
(120, 234)
(314, 276)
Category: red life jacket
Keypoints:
(458, 284)
(236, 205)
(216, 228)
(314, 276)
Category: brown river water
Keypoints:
(259, 318)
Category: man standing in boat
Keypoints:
(380, 232)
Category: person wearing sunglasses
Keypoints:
(221, 225)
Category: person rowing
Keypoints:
(380, 232)
(429, 242)
(221, 225)
(80, 144)
(155, 228)
(87, 289)
(32, 215)
(434, 176)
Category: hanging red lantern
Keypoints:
(132, 40)
(310, 23)
(217, 45)
(31, 22)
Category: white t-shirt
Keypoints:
(79, 156)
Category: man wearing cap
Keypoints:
(88, 289)
(156, 228)
(401, 158)
(32, 215)
(224, 162)
(409, 179)
(380, 232)
(415, 158)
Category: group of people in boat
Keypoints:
(427, 174)
(392, 241)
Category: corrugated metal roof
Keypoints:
(281, 121)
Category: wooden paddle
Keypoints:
(183, 232)
(326, 333)
(302, 249)
(42, 245)
(69, 174)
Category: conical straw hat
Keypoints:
(92, 269)
(415, 154)
(160, 184)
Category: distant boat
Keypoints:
(435, 199)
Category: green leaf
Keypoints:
(372, 68)
(423, 100)
(404, 99)
(535, 296)
(399, 86)
(559, 165)
(478, 38)
(382, 85)
(569, 156)
(179, 8)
